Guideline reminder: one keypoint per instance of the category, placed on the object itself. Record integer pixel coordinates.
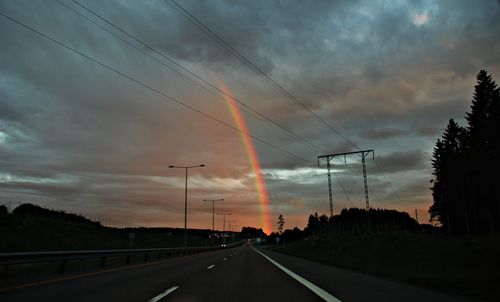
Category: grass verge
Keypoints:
(465, 266)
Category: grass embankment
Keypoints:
(58, 231)
(464, 266)
(31, 233)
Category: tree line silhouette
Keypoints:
(362, 221)
(355, 221)
(466, 162)
(30, 227)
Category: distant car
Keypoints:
(223, 245)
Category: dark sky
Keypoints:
(386, 74)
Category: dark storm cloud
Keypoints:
(386, 74)
(387, 133)
(429, 131)
(403, 161)
(416, 187)
(8, 111)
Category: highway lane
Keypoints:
(134, 284)
(244, 276)
(236, 274)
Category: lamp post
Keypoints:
(185, 196)
(224, 224)
(213, 210)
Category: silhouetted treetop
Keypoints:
(34, 210)
(252, 232)
(357, 219)
(486, 97)
(465, 162)
(3, 209)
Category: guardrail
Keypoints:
(8, 260)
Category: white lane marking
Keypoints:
(313, 287)
(160, 296)
(211, 266)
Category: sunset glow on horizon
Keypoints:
(95, 136)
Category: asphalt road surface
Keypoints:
(236, 274)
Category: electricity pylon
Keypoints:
(329, 157)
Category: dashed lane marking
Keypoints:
(162, 295)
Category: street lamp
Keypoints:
(213, 210)
(185, 196)
(224, 224)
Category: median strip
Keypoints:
(162, 295)
(311, 286)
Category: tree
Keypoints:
(3, 210)
(354, 220)
(293, 234)
(280, 223)
(480, 118)
(251, 232)
(313, 223)
(447, 190)
(483, 160)
(465, 162)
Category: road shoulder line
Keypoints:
(311, 286)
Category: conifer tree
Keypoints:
(465, 164)
(447, 193)
(280, 223)
(480, 116)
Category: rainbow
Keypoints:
(253, 157)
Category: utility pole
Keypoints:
(329, 157)
(224, 224)
(213, 210)
(230, 225)
(365, 180)
(185, 196)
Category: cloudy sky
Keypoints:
(78, 136)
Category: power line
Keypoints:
(186, 70)
(252, 110)
(377, 197)
(382, 172)
(207, 30)
(167, 97)
(348, 195)
(193, 19)
(310, 144)
(353, 179)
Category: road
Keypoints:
(236, 274)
